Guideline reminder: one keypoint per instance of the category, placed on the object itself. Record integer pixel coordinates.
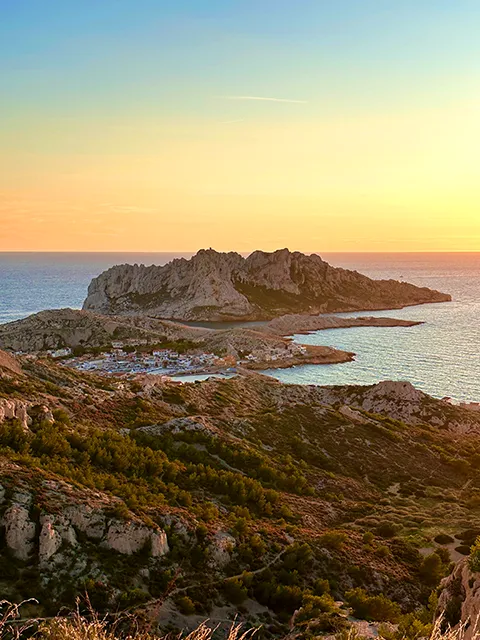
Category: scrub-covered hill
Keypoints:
(229, 497)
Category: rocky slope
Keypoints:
(219, 286)
(71, 328)
(57, 328)
(402, 401)
(228, 497)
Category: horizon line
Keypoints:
(132, 251)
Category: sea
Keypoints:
(440, 357)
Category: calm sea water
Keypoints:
(441, 357)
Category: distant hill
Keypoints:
(56, 328)
(215, 286)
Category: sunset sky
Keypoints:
(321, 125)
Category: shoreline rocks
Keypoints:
(303, 324)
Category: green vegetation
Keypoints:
(474, 558)
(315, 509)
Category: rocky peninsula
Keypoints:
(301, 324)
(214, 286)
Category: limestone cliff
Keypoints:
(459, 601)
(221, 286)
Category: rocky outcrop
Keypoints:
(459, 600)
(219, 286)
(9, 363)
(14, 410)
(181, 425)
(297, 323)
(221, 549)
(400, 400)
(19, 531)
(58, 328)
(131, 537)
(54, 531)
(64, 518)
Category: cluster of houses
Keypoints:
(273, 354)
(161, 361)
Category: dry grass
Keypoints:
(78, 627)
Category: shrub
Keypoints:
(185, 605)
(235, 591)
(333, 540)
(376, 608)
(474, 558)
(443, 538)
(432, 569)
(463, 549)
(387, 530)
(368, 537)
(382, 551)
(314, 606)
(321, 587)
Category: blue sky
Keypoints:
(70, 55)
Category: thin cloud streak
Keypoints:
(264, 99)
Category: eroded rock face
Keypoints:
(54, 531)
(19, 531)
(66, 525)
(131, 537)
(215, 286)
(88, 520)
(14, 410)
(221, 548)
(459, 600)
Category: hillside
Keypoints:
(222, 286)
(84, 330)
(56, 328)
(229, 497)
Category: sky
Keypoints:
(320, 125)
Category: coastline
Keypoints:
(288, 325)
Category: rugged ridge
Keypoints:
(57, 328)
(215, 286)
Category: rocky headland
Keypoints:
(214, 286)
(300, 323)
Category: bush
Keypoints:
(376, 608)
(333, 540)
(443, 538)
(382, 551)
(235, 591)
(474, 558)
(321, 587)
(314, 606)
(368, 537)
(463, 549)
(387, 530)
(432, 569)
(185, 605)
